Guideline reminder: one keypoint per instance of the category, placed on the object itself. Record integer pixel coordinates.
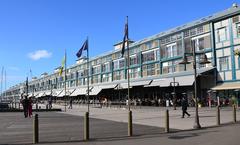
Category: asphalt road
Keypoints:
(59, 128)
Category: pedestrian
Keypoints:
(30, 107)
(25, 103)
(184, 107)
(50, 102)
(70, 103)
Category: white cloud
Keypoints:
(39, 54)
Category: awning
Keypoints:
(179, 81)
(165, 82)
(79, 91)
(35, 95)
(110, 86)
(135, 83)
(48, 93)
(95, 90)
(227, 86)
(61, 94)
(185, 80)
(57, 92)
(68, 92)
(40, 94)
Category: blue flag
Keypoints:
(84, 47)
(125, 38)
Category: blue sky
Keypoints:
(34, 33)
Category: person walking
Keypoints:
(70, 103)
(25, 104)
(30, 107)
(184, 107)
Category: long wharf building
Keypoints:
(155, 72)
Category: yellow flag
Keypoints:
(62, 67)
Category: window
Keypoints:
(118, 64)
(223, 63)
(118, 75)
(107, 77)
(200, 29)
(106, 67)
(134, 73)
(221, 34)
(96, 69)
(121, 63)
(202, 42)
(133, 60)
(148, 70)
(186, 33)
(149, 56)
(238, 29)
(167, 67)
(171, 50)
(96, 79)
(115, 65)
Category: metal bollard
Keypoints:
(86, 126)
(35, 130)
(130, 123)
(15, 105)
(19, 105)
(167, 121)
(218, 115)
(234, 114)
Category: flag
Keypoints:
(125, 38)
(62, 66)
(84, 47)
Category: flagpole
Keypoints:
(5, 84)
(1, 82)
(65, 79)
(128, 76)
(27, 86)
(88, 75)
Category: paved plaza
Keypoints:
(155, 116)
(108, 126)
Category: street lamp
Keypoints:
(196, 124)
(174, 84)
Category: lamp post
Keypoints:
(237, 94)
(174, 84)
(196, 124)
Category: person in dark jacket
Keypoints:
(70, 103)
(25, 104)
(184, 107)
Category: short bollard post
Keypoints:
(35, 129)
(15, 105)
(167, 121)
(234, 114)
(218, 115)
(130, 123)
(19, 105)
(86, 126)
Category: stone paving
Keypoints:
(155, 116)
